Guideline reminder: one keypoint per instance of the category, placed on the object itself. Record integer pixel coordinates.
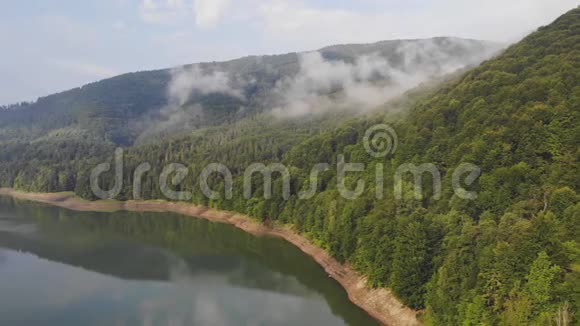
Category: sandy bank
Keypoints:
(379, 303)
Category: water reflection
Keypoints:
(59, 267)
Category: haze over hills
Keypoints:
(141, 106)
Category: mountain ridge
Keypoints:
(121, 108)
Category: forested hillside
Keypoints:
(132, 107)
(508, 257)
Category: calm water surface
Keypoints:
(60, 267)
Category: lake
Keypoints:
(62, 267)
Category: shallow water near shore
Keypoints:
(127, 268)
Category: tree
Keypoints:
(540, 282)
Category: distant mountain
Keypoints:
(142, 105)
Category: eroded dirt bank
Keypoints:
(379, 303)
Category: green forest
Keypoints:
(509, 257)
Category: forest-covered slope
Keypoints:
(509, 256)
(131, 107)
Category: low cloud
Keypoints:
(187, 81)
(310, 91)
(182, 112)
(371, 80)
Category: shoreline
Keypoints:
(379, 303)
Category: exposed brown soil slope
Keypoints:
(379, 303)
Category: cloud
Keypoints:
(371, 80)
(323, 85)
(209, 12)
(181, 113)
(66, 50)
(186, 81)
(236, 28)
(163, 11)
(279, 26)
(299, 24)
(293, 21)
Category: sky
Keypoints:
(53, 45)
